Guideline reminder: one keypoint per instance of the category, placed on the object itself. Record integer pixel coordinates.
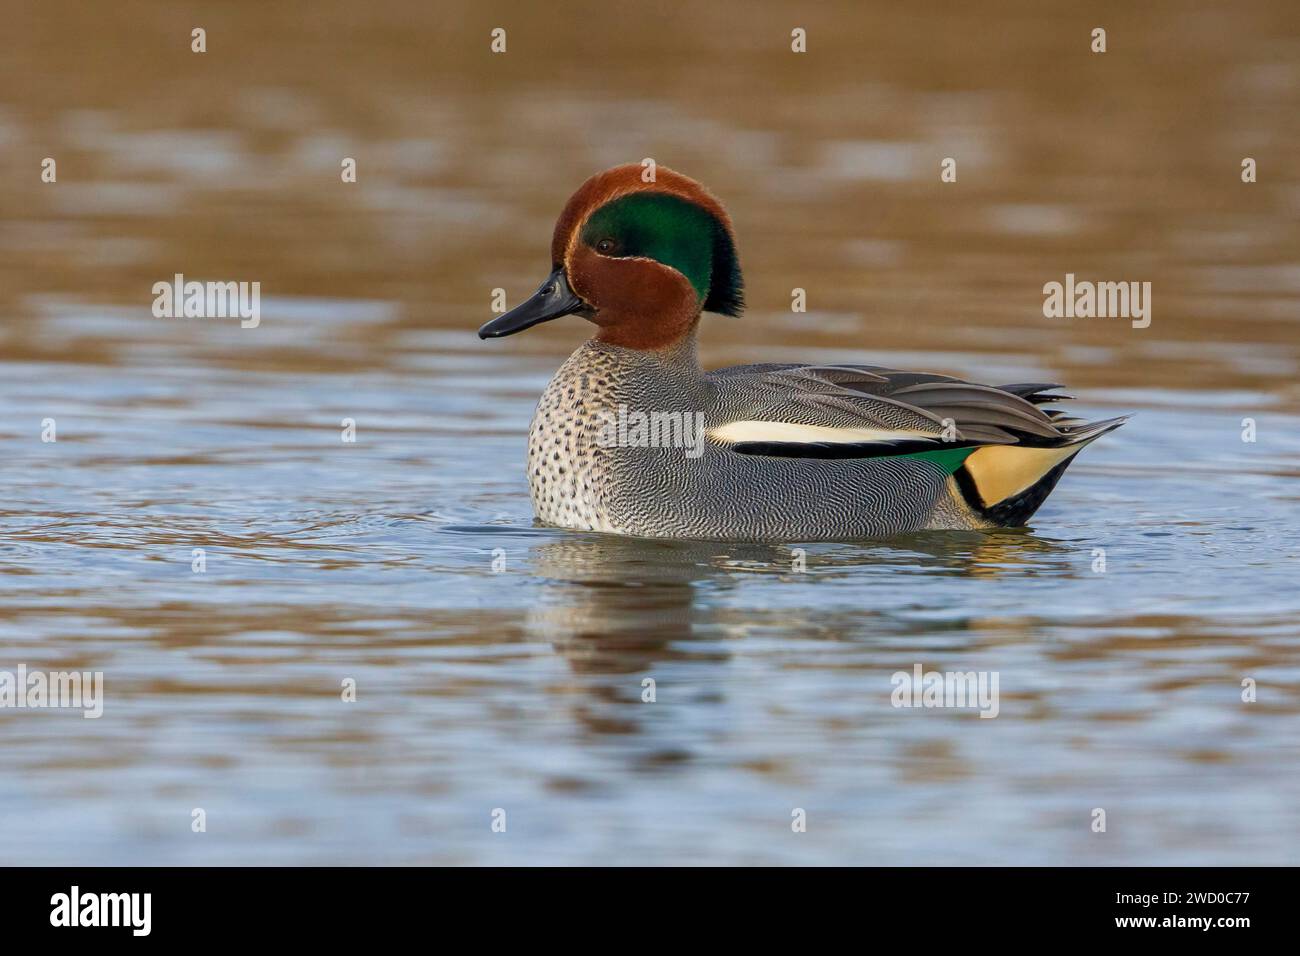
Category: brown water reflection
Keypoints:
(1120, 165)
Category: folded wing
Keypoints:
(999, 436)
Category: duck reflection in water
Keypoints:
(624, 611)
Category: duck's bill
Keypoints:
(553, 299)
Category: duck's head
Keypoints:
(639, 259)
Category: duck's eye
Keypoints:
(605, 245)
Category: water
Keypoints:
(521, 688)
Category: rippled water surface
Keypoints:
(499, 664)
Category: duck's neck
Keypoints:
(680, 357)
(662, 324)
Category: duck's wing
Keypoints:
(1002, 452)
(858, 411)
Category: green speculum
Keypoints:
(949, 459)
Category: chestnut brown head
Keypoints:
(640, 259)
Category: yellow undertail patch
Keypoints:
(1003, 471)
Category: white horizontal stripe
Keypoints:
(734, 432)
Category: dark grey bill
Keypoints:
(553, 299)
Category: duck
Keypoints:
(633, 437)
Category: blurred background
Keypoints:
(328, 560)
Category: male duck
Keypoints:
(633, 437)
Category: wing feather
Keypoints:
(839, 405)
